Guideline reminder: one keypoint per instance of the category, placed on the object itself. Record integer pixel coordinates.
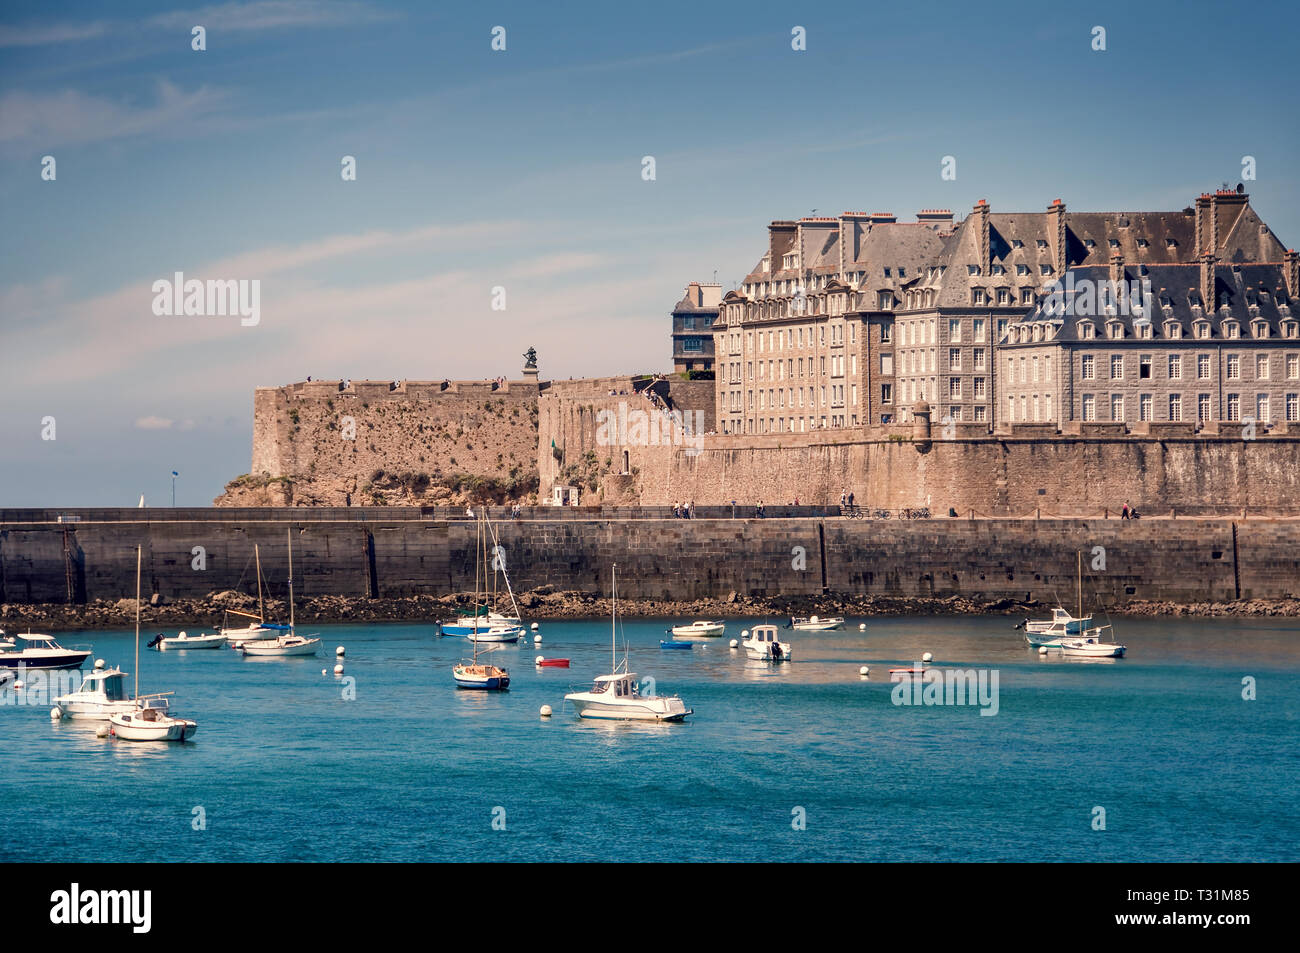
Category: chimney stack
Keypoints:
(1117, 266)
(940, 218)
(1056, 235)
(981, 215)
(1208, 298)
(1291, 265)
(1205, 231)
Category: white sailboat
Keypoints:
(815, 623)
(617, 696)
(476, 674)
(1087, 643)
(288, 643)
(259, 629)
(147, 719)
(700, 628)
(184, 640)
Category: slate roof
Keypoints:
(1245, 293)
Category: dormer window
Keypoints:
(972, 269)
(1202, 330)
(1259, 329)
(1044, 269)
(1143, 243)
(1231, 330)
(977, 296)
(1171, 243)
(1173, 330)
(887, 271)
(1022, 269)
(999, 270)
(1114, 243)
(1142, 329)
(1290, 329)
(1087, 331)
(1115, 330)
(1089, 244)
(1017, 243)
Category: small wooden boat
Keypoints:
(481, 676)
(669, 644)
(552, 662)
(907, 674)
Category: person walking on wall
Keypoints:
(1123, 514)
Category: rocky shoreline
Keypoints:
(546, 603)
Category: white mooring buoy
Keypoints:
(102, 731)
(534, 627)
(862, 627)
(1042, 650)
(735, 644)
(539, 660)
(546, 711)
(864, 671)
(99, 664)
(340, 651)
(56, 713)
(744, 633)
(338, 669)
(537, 640)
(927, 657)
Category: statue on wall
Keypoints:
(530, 357)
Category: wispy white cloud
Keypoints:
(31, 34)
(47, 120)
(154, 423)
(271, 15)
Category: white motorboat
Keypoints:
(7, 679)
(282, 646)
(617, 696)
(164, 643)
(1091, 646)
(103, 693)
(1049, 632)
(151, 722)
(148, 718)
(40, 651)
(701, 628)
(764, 646)
(815, 623)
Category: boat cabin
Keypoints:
(763, 633)
(623, 685)
(111, 683)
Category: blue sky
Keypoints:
(522, 169)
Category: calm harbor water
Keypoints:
(284, 768)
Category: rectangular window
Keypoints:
(980, 388)
(1116, 367)
(1088, 366)
(1144, 367)
(1203, 367)
(979, 359)
(954, 330)
(1234, 406)
(1293, 367)
(1261, 408)
(1175, 407)
(1261, 367)
(886, 334)
(1117, 407)
(978, 327)
(1175, 367)
(979, 414)
(1292, 407)
(954, 359)
(1234, 367)
(1144, 407)
(1089, 407)
(886, 393)
(1202, 407)
(954, 388)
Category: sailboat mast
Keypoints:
(138, 561)
(1080, 584)
(261, 609)
(613, 618)
(289, 534)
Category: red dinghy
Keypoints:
(552, 662)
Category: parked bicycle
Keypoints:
(920, 513)
(881, 515)
(853, 511)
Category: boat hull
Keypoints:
(644, 710)
(196, 642)
(70, 658)
(173, 729)
(307, 647)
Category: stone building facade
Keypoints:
(1195, 344)
(803, 344)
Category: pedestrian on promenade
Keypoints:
(692, 510)
(843, 499)
(850, 500)
(1124, 512)
(677, 511)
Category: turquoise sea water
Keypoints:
(284, 768)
